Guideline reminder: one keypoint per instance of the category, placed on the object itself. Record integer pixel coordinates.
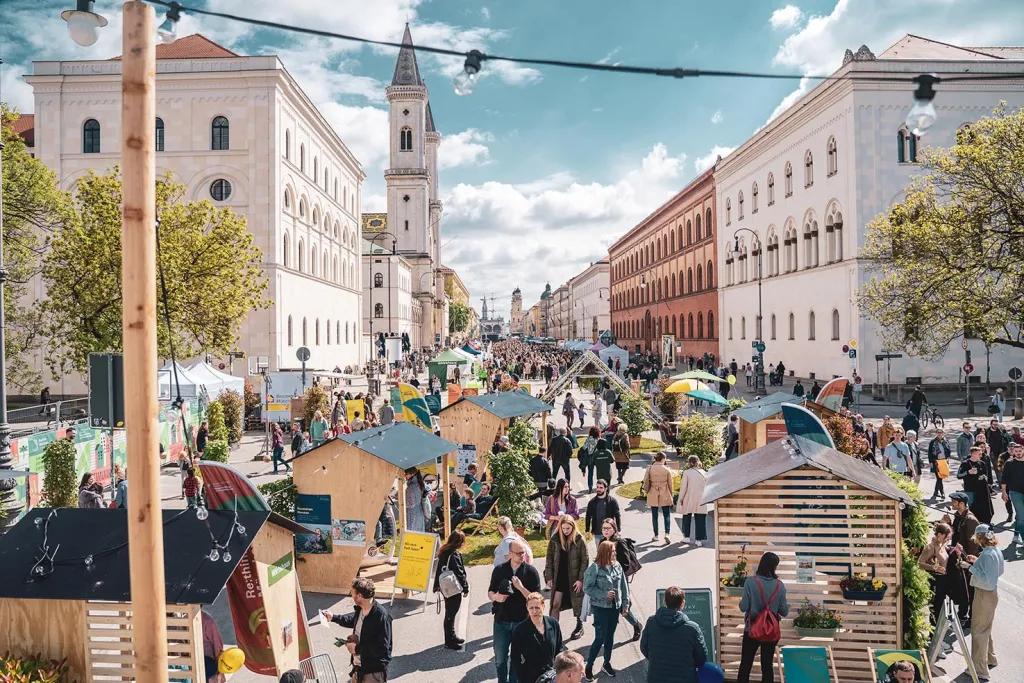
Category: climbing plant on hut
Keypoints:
(522, 437)
(916, 592)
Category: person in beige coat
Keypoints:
(691, 490)
(658, 484)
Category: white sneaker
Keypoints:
(1017, 539)
(667, 539)
(655, 539)
(700, 544)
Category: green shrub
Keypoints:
(734, 405)
(701, 435)
(216, 450)
(316, 398)
(280, 496)
(634, 414)
(252, 397)
(215, 421)
(512, 486)
(841, 430)
(668, 403)
(32, 669)
(588, 385)
(522, 437)
(60, 485)
(917, 592)
(231, 403)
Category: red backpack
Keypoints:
(765, 626)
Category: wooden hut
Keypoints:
(796, 497)
(479, 420)
(76, 603)
(761, 421)
(353, 475)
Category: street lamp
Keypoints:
(759, 371)
(83, 24)
(373, 285)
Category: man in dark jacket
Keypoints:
(540, 469)
(371, 646)
(601, 507)
(561, 450)
(672, 643)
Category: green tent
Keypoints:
(439, 366)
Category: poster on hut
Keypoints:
(313, 511)
(350, 532)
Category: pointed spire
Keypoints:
(430, 120)
(407, 72)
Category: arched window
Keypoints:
(810, 326)
(304, 335)
(730, 328)
(834, 234)
(159, 134)
(302, 208)
(316, 169)
(334, 271)
(907, 146)
(674, 325)
(739, 206)
(700, 326)
(835, 325)
(378, 280)
(91, 137)
(689, 324)
(808, 169)
(728, 212)
(220, 137)
(833, 157)
(302, 257)
(405, 140)
(325, 272)
(710, 275)
(689, 280)
(811, 243)
(792, 327)
(697, 226)
(316, 332)
(657, 249)
(302, 158)
(287, 199)
(328, 331)
(771, 189)
(712, 332)
(743, 327)
(673, 284)
(289, 331)
(378, 310)
(789, 179)
(700, 277)
(287, 144)
(753, 199)
(285, 251)
(773, 326)
(316, 211)
(689, 232)
(346, 332)
(312, 261)
(672, 241)
(707, 223)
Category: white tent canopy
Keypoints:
(190, 385)
(215, 381)
(614, 351)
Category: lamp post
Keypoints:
(373, 284)
(759, 371)
(599, 296)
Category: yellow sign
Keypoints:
(278, 406)
(355, 405)
(852, 344)
(415, 561)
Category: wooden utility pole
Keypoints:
(138, 267)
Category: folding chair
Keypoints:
(806, 664)
(882, 659)
(319, 668)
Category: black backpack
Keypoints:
(632, 563)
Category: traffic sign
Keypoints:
(886, 356)
(846, 349)
(852, 343)
(968, 368)
(963, 344)
(853, 353)
(1015, 374)
(760, 347)
(302, 353)
(858, 380)
(753, 344)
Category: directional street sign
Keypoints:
(760, 347)
(968, 368)
(1015, 374)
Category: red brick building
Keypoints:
(663, 275)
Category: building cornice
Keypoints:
(407, 172)
(406, 92)
(694, 191)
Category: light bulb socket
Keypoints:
(474, 58)
(925, 91)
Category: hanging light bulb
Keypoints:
(39, 521)
(466, 80)
(922, 115)
(168, 30)
(214, 555)
(227, 557)
(83, 24)
(202, 513)
(240, 529)
(39, 571)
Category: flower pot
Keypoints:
(634, 442)
(734, 591)
(815, 632)
(521, 530)
(865, 596)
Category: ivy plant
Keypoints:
(60, 486)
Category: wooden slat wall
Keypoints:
(111, 653)
(810, 512)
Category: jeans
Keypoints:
(701, 524)
(590, 477)
(451, 610)
(1017, 500)
(605, 621)
(749, 649)
(279, 458)
(502, 637)
(557, 466)
(939, 488)
(665, 511)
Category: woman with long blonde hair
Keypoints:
(564, 570)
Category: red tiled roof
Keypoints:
(195, 46)
(25, 126)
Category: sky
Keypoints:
(541, 169)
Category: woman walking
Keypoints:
(976, 474)
(277, 441)
(585, 455)
(691, 491)
(535, 642)
(450, 559)
(610, 532)
(872, 438)
(762, 591)
(658, 484)
(569, 410)
(620, 451)
(986, 569)
(416, 501)
(559, 504)
(567, 561)
(605, 585)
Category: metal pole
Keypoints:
(138, 266)
(8, 500)
(760, 388)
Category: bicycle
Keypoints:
(930, 415)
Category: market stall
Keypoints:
(761, 421)
(480, 420)
(439, 365)
(215, 381)
(826, 515)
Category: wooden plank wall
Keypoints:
(811, 512)
(467, 423)
(111, 654)
(53, 628)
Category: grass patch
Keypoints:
(632, 490)
(646, 445)
(479, 549)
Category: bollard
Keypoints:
(1018, 408)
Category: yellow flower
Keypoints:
(877, 584)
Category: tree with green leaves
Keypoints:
(210, 262)
(34, 208)
(60, 485)
(949, 259)
(458, 317)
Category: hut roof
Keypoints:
(402, 444)
(506, 404)
(775, 458)
(449, 357)
(766, 406)
(73, 534)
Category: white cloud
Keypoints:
(485, 13)
(786, 17)
(467, 148)
(791, 98)
(363, 129)
(708, 160)
(716, 118)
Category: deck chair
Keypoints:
(493, 512)
(319, 668)
(881, 660)
(798, 664)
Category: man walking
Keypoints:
(370, 643)
(561, 450)
(917, 401)
(672, 643)
(296, 440)
(964, 441)
(510, 586)
(601, 507)
(387, 413)
(732, 437)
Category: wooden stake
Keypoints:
(138, 265)
(446, 485)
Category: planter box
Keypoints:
(634, 442)
(865, 596)
(815, 632)
(733, 591)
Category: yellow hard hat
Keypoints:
(230, 661)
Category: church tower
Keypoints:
(516, 320)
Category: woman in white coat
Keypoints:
(691, 491)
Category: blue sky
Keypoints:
(543, 168)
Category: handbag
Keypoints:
(585, 609)
(942, 468)
(428, 509)
(447, 582)
(992, 409)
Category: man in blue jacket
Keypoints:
(673, 643)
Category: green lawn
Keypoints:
(646, 445)
(479, 549)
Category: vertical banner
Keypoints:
(414, 408)
(355, 405)
(227, 489)
(464, 457)
(831, 395)
(668, 351)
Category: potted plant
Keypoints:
(635, 417)
(734, 582)
(860, 586)
(814, 620)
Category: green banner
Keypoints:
(280, 569)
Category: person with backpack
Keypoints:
(625, 553)
(763, 601)
(620, 451)
(605, 585)
(451, 582)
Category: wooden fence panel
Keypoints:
(110, 651)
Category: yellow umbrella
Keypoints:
(684, 386)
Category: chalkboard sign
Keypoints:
(699, 609)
